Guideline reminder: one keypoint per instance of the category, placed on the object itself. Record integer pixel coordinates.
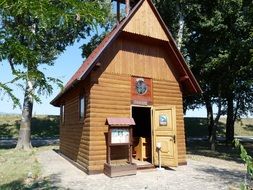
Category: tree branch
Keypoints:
(12, 66)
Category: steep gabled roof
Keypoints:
(187, 78)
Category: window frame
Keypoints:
(62, 114)
(82, 111)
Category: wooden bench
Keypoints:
(142, 149)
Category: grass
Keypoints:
(21, 170)
(202, 148)
(48, 126)
(224, 152)
(42, 126)
(244, 127)
(197, 127)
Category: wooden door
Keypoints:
(164, 132)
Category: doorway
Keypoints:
(142, 138)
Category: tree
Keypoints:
(218, 47)
(173, 13)
(218, 50)
(216, 44)
(32, 34)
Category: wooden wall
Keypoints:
(132, 57)
(145, 23)
(111, 91)
(74, 133)
(110, 97)
(108, 91)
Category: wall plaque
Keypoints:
(141, 91)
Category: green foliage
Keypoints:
(247, 159)
(33, 33)
(42, 126)
(98, 37)
(94, 42)
(217, 43)
(169, 10)
(4, 89)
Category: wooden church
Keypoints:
(135, 72)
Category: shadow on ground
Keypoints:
(229, 176)
(11, 143)
(202, 148)
(51, 182)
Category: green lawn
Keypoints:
(197, 127)
(48, 126)
(21, 170)
(42, 126)
(222, 151)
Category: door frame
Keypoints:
(151, 124)
(152, 120)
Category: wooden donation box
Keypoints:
(119, 135)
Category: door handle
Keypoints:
(174, 138)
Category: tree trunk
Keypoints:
(209, 111)
(230, 121)
(181, 28)
(213, 137)
(24, 139)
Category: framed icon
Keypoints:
(163, 120)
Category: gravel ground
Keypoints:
(200, 173)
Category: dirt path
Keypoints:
(200, 173)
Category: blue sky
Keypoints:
(65, 66)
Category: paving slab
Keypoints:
(200, 173)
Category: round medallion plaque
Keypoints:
(141, 86)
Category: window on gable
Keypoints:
(82, 107)
(62, 113)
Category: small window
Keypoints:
(62, 114)
(82, 107)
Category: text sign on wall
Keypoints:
(119, 136)
(141, 91)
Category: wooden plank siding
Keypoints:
(110, 94)
(138, 59)
(110, 97)
(145, 23)
(74, 133)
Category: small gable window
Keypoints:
(82, 107)
(62, 114)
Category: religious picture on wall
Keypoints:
(163, 120)
(141, 86)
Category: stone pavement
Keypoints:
(200, 173)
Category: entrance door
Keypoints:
(164, 132)
(142, 134)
